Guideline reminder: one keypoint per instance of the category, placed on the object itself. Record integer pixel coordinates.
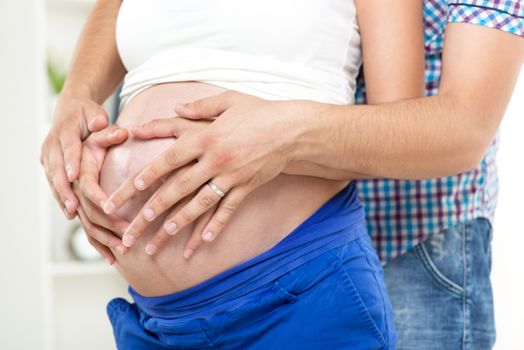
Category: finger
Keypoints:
(59, 182)
(195, 241)
(105, 252)
(161, 237)
(96, 117)
(108, 137)
(206, 108)
(168, 127)
(177, 220)
(48, 173)
(171, 192)
(97, 217)
(175, 157)
(224, 213)
(71, 145)
(157, 128)
(90, 170)
(178, 186)
(101, 235)
(89, 184)
(69, 216)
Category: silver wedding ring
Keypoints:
(215, 189)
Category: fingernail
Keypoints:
(109, 207)
(66, 212)
(149, 214)
(102, 203)
(67, 204)
(128, 240)
(151, 249)
(188, 252)
(121, 249)
(208, 236)
(139, 184)
(69, 171)
(170, 227)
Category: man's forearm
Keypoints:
(427, 137)
(96, 68)
(417, 139)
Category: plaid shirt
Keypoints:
(401, 214)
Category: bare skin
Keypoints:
(267, 215)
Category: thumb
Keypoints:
(96, 117)
(207, 108)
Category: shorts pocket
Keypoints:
(242, 314)
(369, 303)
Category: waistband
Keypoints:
(340, 220)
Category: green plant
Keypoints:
(56, 77)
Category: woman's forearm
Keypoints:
(96, 68)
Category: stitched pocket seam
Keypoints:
(350, 286)
(435, 273)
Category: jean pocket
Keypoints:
(442, 256)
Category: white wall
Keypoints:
(21, 62)
(508, 241)
(21, 101)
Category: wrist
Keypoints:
(77, 91)
(308, 124)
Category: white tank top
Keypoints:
(274, 49)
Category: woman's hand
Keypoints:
(75, 118)
(99, 226)
(248, 145)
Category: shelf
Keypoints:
(76, 268)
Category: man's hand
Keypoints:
(98, 225)
(75, 119)
(244, 148)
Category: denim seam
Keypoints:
(380, 290)
(465, 308)
(353, 290)
(436, 274)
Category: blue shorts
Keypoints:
(331, 296)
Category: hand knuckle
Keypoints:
(219, 222)
(171, 157)
(163, 201)
(230, 206)
(205, 201)
(186, 217)
(183, 186)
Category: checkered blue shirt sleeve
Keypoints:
(505, 15)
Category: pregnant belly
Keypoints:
(265, 217)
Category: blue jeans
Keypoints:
(441, 291)
(336, 301)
